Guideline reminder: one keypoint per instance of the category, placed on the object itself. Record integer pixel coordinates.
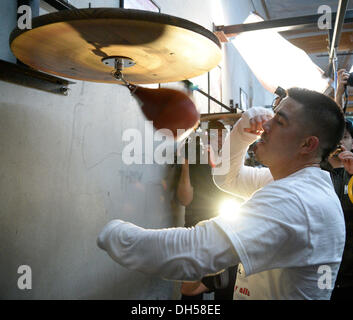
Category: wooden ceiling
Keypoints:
(310, 38)
(319, 43)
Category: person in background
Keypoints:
(341, 171)
(342, 79)
(201, 198)
(340, 166)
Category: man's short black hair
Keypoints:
(322, 117)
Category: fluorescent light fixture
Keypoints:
(276, 62)
(229, 209)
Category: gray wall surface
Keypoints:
(8, 14)
(62, 177)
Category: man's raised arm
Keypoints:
(240, 179)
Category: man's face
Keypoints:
(282, 136)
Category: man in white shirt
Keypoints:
(288, 236)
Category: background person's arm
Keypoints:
(346, 158)
(342, 78)
(185, 191)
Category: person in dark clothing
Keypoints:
(201, 198)
(340, 166)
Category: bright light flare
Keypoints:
(277, 62)
(217, 12)
(229, 209)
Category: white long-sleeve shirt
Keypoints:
(283, 236)
(175, 253)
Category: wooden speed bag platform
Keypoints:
(80, 44)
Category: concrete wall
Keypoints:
(8, 14)
(62, 177)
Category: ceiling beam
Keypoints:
(312, 29)
(60, 4)
(278, 24)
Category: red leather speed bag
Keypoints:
(167, 108)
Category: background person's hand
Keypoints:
(342, 78)
(347, 160)
(193, 288)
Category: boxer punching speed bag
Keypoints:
(167, 108)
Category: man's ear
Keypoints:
(310, 144)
